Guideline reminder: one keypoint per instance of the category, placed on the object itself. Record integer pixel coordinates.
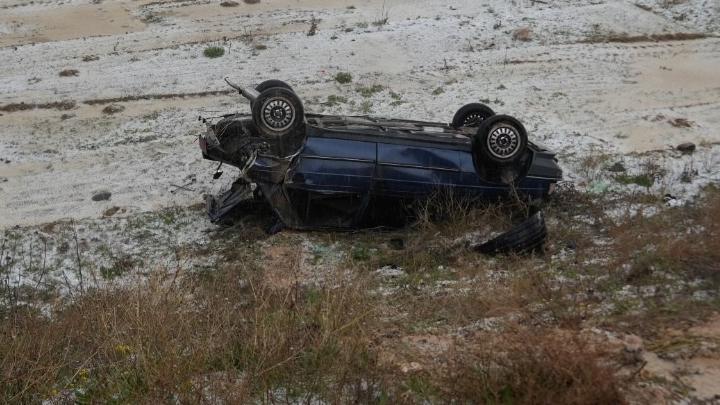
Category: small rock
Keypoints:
(69, 73)
(229, 3)
(111, 211)
(633, 343)
(411, 367)
(113, 109)
(390, 272)
(681, 123)
(522, 34)
(101, 196)
(673, 201)
(66, 116)
(687, 147)
(632, 349)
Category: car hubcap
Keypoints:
(278, 114)
(503, 141)
(473, 120)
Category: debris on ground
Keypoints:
(528, 236)
(69, 73)
(101, 196)
(686, 147)
(113, 109)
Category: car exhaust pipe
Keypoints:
(250, 94)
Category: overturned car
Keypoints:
(327, 171)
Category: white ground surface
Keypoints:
(594, 99)
(575, 87)
(573, 96)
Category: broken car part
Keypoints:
(524, 237)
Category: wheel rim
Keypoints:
(473, 120)
(503, 141)
(278, 114)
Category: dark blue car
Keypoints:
(325, 171)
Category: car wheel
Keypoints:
(501, 139)
(269, 84)
(471, 115)
(278, 111)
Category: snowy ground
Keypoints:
(599, 82)
(612, 86)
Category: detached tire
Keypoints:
(501, 140)
(528, 236)
(269, 84)
(471, 115)
(278, 111)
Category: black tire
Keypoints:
(501, 140)
(471, 115)
(278, 111)
(269, 84)
(526, 237)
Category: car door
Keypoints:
(335, 165)
(414, 171)
(331, 181)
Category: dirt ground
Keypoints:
(602, 83)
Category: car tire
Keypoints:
(278, 111)
(525, 237)
(471, 115)
(269, 84)
(501, 140)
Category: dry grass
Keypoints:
(524, 366)
(211, 93)
(626, 38)
(231, 336)
(682, 240)
(680, 249)
(58, 105)
(455, 326)
(113, 109)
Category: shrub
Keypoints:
(369, 91)
(343, 77)
(214, 52)
(523, 367)
(641, 180)
(334, 100)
